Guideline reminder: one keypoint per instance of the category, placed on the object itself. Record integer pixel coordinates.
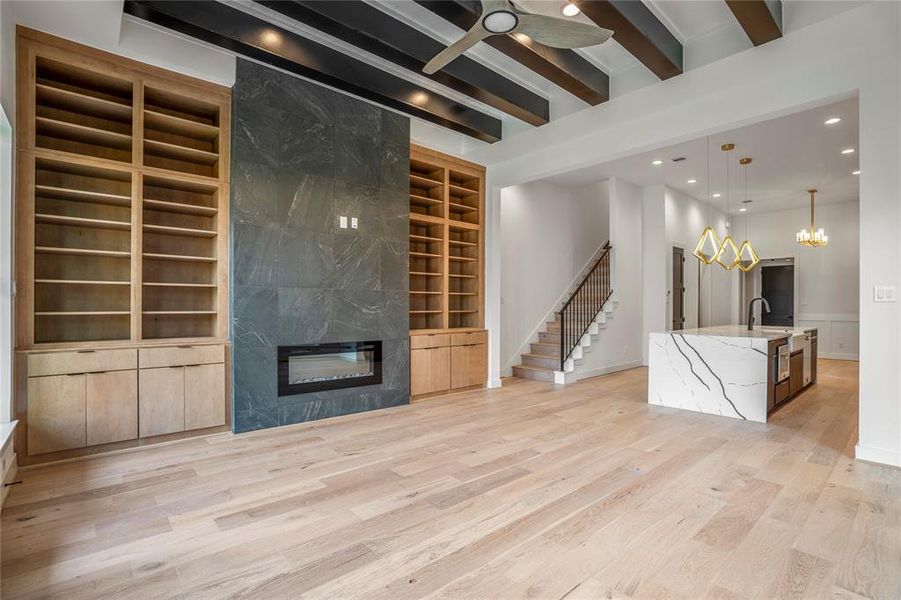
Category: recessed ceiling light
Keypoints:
(717, 195)
(857, 172)
(832, 120)
(657, 162)
(692, 181)
(848, 151)
(570, 10)
(742, 210)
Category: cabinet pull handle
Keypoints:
(185, 347)
(74, 374)
(176, 366)
(86, 351)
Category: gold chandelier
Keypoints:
(747, 255)
(812, 237)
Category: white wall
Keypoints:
(654, 250)
(856, 52)
(707, 285)
(828, 279)
(548, 234)
(621, 343)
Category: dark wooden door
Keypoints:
(778, 287)
(678, 288)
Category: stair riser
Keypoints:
(552, 337)
(545, 350)
(536, 375)
(547, 362)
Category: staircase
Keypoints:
(575, 325)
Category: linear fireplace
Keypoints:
(316, 367)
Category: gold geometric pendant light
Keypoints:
(728, 256)
(747, 255)
(748, 258)
(708, 248)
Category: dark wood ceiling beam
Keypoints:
(639, 31)
(260, 40)
(761, 19)
(370, 29)
(565, 68)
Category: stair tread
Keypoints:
(534, 368)
(540, 356)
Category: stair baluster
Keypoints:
(580, 310)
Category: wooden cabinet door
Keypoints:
(56, 413)
(469, 365)
(161, 401)
(204, 396)
(429, 370)
(111, 399)
(797, 372)
(813, 362)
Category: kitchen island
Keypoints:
(729, 370)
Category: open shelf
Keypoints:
(122, 178)
(204, 233)
(81, 252)
(81, 282)
(178, 207)
(180, 133)
(81, 222)
(445, 244)
(179, 257)
(82, 112)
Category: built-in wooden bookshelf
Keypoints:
(121, 251)
(446, 242)
(122, 199)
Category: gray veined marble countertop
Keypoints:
(741, 331)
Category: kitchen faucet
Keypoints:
(766, 306)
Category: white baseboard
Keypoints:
(836, 356)
(494, 383)
(606, 370)
(878, 455)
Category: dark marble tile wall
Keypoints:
(302, 155)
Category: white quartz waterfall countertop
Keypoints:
(741, 331)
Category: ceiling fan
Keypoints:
(500, 17)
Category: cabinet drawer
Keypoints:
(468, 339)
(436, 340)
(85, 361)
(174, 356)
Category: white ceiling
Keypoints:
(790, 154)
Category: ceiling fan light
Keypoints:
(500, 21)
(570, 10)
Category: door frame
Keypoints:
(680, 251)
(754, 280)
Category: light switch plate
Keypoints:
(884, 293)
(342, 222)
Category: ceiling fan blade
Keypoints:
(560, 33)
(469, 39)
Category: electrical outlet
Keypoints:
(353, 222)
(342, 222)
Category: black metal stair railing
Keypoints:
(580, 310)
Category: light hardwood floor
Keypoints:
(531, 490)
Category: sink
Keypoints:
(795, 337)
